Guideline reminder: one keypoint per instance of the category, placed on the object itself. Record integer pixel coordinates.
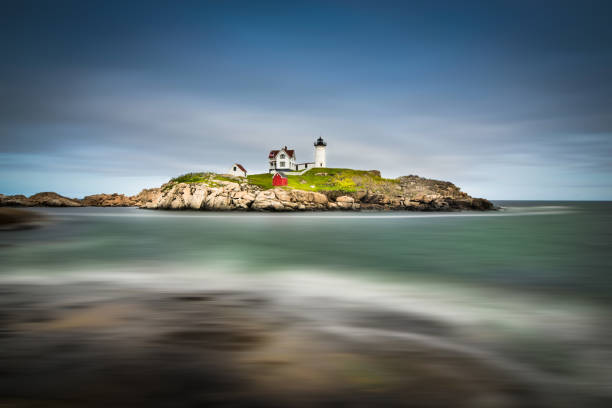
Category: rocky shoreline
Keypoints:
(410, 193)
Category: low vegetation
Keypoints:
(325, 179)
(191, 178)
(317, 179)
(203, 177)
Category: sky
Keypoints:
(507, 99)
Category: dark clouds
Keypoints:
(500, 97)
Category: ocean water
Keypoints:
(529, 286)
(561, 248)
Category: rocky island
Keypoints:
(318, 189)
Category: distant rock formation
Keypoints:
(108, 200)
(46, 199)
(218, 194)
(49, 199)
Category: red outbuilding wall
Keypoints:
(279, 180)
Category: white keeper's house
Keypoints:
(284, 159)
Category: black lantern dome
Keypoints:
(320, 142)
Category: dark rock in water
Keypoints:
(15, 219)
(141, 348)
(482, 204)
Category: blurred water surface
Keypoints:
(534, 246)
(527, 287)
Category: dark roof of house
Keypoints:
(273, 153)
(241, 168)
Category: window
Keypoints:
(282, 156)
(234, 168)
(282, 164)
(271, 164)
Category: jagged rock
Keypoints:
(109, 200)
(218, 199)
(230, 186)
(345, 202)
(242, 199)
(282, 195)
(359, 195)
(481, 204)
(146, 197)
(345, 199)
(49, 199)
(197, 197)
(266, 200)
(18, 200)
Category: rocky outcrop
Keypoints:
(216, 193)
(97, 200)
(46, 199)
(18, 200)
(406, 194)
(109, 200)
(289, 200)
(226, 195)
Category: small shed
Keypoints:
(238, 170)
(279, 179)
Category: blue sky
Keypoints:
(507, 99)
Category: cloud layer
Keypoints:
(506, 101)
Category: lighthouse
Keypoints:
(320, 152)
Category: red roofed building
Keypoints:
(279, 179)
(237, 170)
(282, 159)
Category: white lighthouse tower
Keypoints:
(320, 152)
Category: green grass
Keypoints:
(324, 179)
(192, 178)
(224, 178)
(316, 179)
(263, 180)
(202, 178)
(209, 178)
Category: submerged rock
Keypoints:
(16, 219)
